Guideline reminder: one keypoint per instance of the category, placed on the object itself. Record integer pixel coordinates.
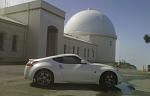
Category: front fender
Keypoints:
(104, 69)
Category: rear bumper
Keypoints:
(27, 73)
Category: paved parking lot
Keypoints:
(12, 83)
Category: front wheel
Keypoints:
(108, 79)
(44, 77)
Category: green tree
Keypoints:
(147, 38)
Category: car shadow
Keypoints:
(70, 86)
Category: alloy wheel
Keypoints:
(43, 78)
(108, 79)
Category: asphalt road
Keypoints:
(12, 83)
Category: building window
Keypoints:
(110, 43)
(14, 43)
(88, 53)
(73, 51)
(1, 41)
(78, 50)
(84, 52)
(65, 47)
(93, 52)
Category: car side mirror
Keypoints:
(83, 62)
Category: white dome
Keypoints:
(90, 22)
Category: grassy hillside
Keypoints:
(124, 65)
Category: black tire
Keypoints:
(108, 79)
(44, 78)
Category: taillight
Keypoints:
(31, 63)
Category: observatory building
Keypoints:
(36, 29)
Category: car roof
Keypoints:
(55, 56)
(62, 55)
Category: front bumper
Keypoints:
(120, 79)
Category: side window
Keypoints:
(71, 60)
(59, 59)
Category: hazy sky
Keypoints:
(131, 19)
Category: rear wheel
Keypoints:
(44, 77)
(108, 79)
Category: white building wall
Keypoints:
(7, 55)
(49, 19)
(30, 18)
(106, 47)
(71, 42)
(33, 29)
(38, 15)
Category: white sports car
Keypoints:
(70, 68)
